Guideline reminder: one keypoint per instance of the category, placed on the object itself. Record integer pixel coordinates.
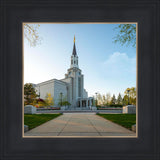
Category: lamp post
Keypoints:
(61, 98)
(39, 91)
(128, 95)
(96, 98)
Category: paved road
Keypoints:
(79, 124)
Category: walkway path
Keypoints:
(79, 124)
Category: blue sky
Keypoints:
(107, 67)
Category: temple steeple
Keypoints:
(74, 57)
(74, 48)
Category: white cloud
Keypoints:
(120, 65)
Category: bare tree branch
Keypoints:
(31, 34)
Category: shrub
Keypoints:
(115, 105)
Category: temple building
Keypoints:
(70, 89)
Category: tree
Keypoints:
(119, 99)
(31, 34)
(125, 100)
(99, 99)
(132, 92)
(108, 98)
(94, 100)
(126, 34)
(49, 99)
(41, 103)
(113, 100)
(104, 99)
(29, 94)
(62, 99)
(65, 103)
(132, 95)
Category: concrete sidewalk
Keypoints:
(79, 124)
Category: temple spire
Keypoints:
(74, 39)
(74, 48)
(74, 57)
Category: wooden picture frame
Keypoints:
(13, 14)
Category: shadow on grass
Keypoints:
(34, 120)
(125, 120)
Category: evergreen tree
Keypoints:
(29, 94)
(113, 100)
(108, 98)
(119, 99)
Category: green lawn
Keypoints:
(125, 120)
(34, 120)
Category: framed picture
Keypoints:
(88, 100)
(16, 144)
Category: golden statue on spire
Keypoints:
(74, 38)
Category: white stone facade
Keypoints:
(54, 87)
(71, 87)
(29, 109)
(130, 109)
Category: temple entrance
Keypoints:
(78, 103)
(84, 103)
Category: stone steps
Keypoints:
(78, 108)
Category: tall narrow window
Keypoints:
(72, 89)
(79, 87)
